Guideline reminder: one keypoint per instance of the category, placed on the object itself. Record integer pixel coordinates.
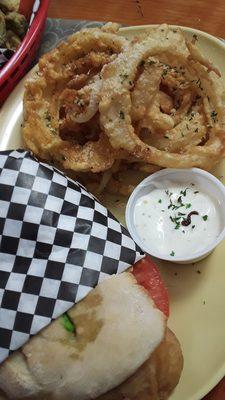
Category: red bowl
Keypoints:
(19, 63)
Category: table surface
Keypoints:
(206, 15)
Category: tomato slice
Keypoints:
(147, 275)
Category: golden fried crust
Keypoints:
(61, 100)
(193, 88)
(156, 378)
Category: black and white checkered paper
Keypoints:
(56, 243)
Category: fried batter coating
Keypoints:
(193, 86)
(62, 101)
(99, 98)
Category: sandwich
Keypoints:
(112, 345)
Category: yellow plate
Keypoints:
(197, 292)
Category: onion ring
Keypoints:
(116, 103)
(84, 53)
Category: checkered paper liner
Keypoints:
(56, 243)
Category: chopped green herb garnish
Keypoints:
(172, 254)
(193, 226)
(205, 217)
(79, 102)
(48, 120)
(176, 221)
(122, 116)
(214, 116)
(198, 83)
(67, 323)
(196, 192)
(184, 192)
(192, 114)
(188, 205)
(48, 116)
(181, 214)
(123, 77)
(160, 201)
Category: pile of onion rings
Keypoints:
(101, 105)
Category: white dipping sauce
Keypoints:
(160, 216)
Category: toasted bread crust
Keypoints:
(156, 378)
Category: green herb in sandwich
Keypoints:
(67, 323)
